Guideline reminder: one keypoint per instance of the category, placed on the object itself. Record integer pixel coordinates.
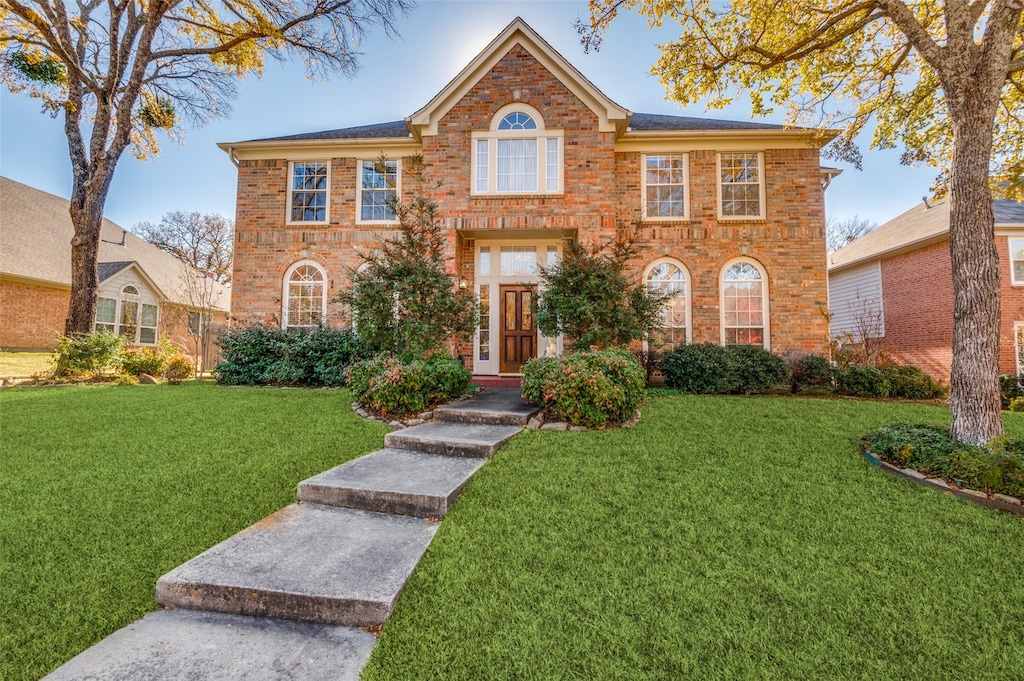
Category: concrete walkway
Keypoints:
(286, 597)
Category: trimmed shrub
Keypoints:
(1010, 387)
(124, 379)
(87, 353)
(756, 369)
(910, 382)
(395, 388)
(179, 367)
(592, 388)
(700, 368)
(862, 381)
(262, 355)
(137, 361)
(1017, 404)
(929, 449)
(808, 370)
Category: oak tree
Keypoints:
(943, 78)
(118, 71)
(203, 241)
(839, 233)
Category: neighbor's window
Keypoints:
(378, 184)
(664, 186)
(106, 315)
(128, 316)
(518, 155)
(307, 200)
(744, 305)
(741, 185)
(305, 296)
(1017, 261)
(668, 277)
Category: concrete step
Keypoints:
(306, 562)
(393, 481)
(203, 646)
(495, 406)
(452, 439)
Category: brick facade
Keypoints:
(601, 189)
(918, 306)
(32, 315)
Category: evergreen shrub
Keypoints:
(910, 382)
(862, 381)
(593, 388)
(395, 387)
(263, 355)
(711, 369)
(81, 354)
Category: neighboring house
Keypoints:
(530, 153)
(896, 283)
(143, 291)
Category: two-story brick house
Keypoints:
(530, 153)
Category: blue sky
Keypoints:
(437, 40)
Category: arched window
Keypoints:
(744, 304)
(518, 154)
(668, 277)
(305, 295)
(517, 120)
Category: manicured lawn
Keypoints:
(23, 364)
(722, 538)
(104, 489)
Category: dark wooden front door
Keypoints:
(518, 333)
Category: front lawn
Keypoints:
(25, 364)
(104, 489)
(721, 538)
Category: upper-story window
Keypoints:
(518, 155)
(744, 304)
(1017, 261)
(378, 187)
(308, 189)
(741, 186)
(305, 296)
(665, 188)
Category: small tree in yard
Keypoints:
(200, 295)
(591, 296)
(405, 300)
(944, 78)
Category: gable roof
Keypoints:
(36, 232)
(923, 224)
(610, 115)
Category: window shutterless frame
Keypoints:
(517, 155)
(743, 297)
(665, 187)
(367, 172)
(741, 185)
(309, 193)
(1016, 247)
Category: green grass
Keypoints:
(104, 489)
(721, 538)
(24, 364)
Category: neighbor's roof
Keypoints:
(920, 225)
(35, 244)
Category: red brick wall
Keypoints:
(30, 314)
(918, 300)
(601, 189)
(789, 243)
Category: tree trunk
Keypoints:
(87, 201)
(974, 382)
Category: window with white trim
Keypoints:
(1018, 345)
(128, 316)
(744, 304)
(665, 189)
(518, 155)
(741, 185)
(308, 189)
(378, 187)
(1016, 261)
(668, 277)
(305, 296)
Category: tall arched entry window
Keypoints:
(745, 303)
(668, 276)
(305, 296)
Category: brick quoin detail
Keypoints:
(602, 189)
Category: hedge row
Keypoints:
(263, 355)
(711, 369)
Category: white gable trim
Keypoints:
(611, 116)
(160, 295)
